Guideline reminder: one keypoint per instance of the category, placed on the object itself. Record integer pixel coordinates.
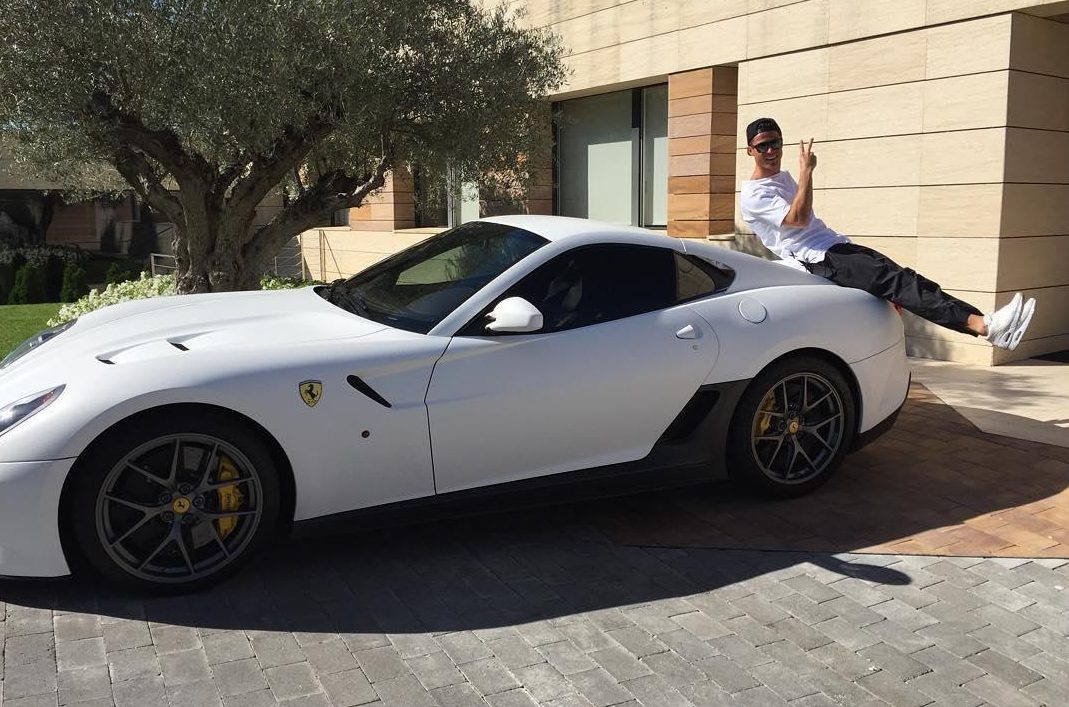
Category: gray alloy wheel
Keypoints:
(173, 500)
(178, 508)
(798, 429)
(792, 427)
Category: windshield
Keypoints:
(418, 287)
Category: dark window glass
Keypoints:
(698, 278)
(418, 287)
(595, 284)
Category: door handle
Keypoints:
(687, 332)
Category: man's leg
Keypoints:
(852, 265)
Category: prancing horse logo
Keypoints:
(311, 392)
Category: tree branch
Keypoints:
(269, 168)
(136, 170)
(235, 170)
(164, 146)
(333, 191)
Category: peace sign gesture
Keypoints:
(807, 161)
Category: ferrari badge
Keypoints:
(311, 392)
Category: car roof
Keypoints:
(754, 272)
(555, 228)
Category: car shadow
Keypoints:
(910, 492)
(478, 572)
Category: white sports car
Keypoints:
(160, 443)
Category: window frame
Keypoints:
(476, 327)
(721, 270)
(369, 275)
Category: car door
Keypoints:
(616, 360)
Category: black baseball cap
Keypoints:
(761, 125)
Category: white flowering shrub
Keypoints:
(143, 288)
(151, 286)
(38, 254)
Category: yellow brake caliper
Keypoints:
(230, 497)
(764, 418)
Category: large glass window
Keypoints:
(612, 157)
(595, 157)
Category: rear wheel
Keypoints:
(175, 504)
(792, 427)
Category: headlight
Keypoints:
(29, 406)
(34, 341)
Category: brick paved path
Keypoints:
(545, 610)
(601, 603)
(934, 485)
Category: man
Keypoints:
(780, 211)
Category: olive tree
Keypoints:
(203, 107)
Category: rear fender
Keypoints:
(850, 324)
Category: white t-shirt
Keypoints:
(764, 204)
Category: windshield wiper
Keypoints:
(338, 293)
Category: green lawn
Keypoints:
(19, 321)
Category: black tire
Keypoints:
(792, 427)
(171, 503)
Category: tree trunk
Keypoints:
(215, 249)
(208, 246)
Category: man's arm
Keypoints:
(802, 206)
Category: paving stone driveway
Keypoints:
(588, 604)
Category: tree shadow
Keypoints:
(910, 492)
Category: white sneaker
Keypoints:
(1022, 323)
(1003, 322)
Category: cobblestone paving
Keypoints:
(545, 608)
(678, 598)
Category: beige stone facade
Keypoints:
(942, 129)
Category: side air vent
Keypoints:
(691, 415)
(107, 361)
(180, 347)
(367, 390)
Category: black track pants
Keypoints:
(852, 265)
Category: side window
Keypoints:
(597, 284)
(697, 278)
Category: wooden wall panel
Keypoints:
(389, 209)
(701, 147)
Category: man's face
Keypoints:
(767, 150)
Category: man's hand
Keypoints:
(801, 210)
(807, 161)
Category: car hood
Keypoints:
(169, 326)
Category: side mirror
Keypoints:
(514, 314)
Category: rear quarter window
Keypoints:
(697, 277)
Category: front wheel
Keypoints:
(792, 427)
(175, 504)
